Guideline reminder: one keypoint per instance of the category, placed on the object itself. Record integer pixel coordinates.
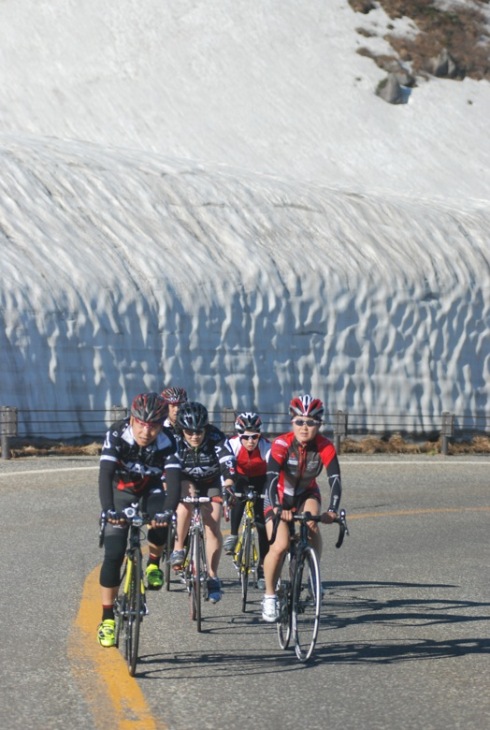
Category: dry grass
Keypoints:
(463, 31)
(394, 444)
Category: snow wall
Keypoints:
(124, 271)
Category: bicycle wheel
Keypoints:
(194, 578)
(283, 592)
(245, 563)
(169, 545)
(135, 610)
(120, 607)
(306, 604)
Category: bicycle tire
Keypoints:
(167, 567)
(120, 607)
(306, 604)
(245, 563)
(283, 592)
(197, 559)
(135, 605)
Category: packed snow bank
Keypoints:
(123, 272)
(275, 87)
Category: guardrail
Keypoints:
(35, 425)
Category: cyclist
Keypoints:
(173, 397)
(208, 469)
(251, 450)
(295, 460)
(137, 452)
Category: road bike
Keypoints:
(299, 588)
(246, 552)
(195, 568)
(130, 604)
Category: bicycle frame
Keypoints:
(195, 571)
(299, 589)
(246, 553)
(130, 604)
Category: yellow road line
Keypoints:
(115, 699)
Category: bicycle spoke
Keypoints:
(135, 608)
(245, 564)
(306, 604)
(284, 599)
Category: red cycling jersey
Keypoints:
(250, 463)
(292, 469)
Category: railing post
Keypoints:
(340, 420)
(8, 428)
(228, 421)
(118, 413)
(447, 431)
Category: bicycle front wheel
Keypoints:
(306, 604)
(194, 579)
(245, 563)
(169, 546)
(135, 612)
(283, 592)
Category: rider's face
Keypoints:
(194, 438)
(305, 429)
(144, 433)
(172, 412)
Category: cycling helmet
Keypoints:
(176, 396)
(305, 405)
(248, 422)
(192, 416)
(149, 408)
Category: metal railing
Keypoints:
(84, 426)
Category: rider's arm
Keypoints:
(334, 481)
(173, 475)
(106, 476)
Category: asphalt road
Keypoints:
(404, 641)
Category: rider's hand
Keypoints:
(328, 517)
(286, 515)
(113, 518)
(229, 494)
(161, 519)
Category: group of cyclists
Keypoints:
(167, 449)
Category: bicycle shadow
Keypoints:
(400, 651)
(346, 605)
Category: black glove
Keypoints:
(229, 496)
(112, 516)
(163, 518)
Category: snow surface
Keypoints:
(210, 194)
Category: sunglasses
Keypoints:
(198, 432)
(253, 437)
(310, 422)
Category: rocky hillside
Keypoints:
(448, 39)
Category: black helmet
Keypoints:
(149, 408)
(174, 395)
(248, 421)
(192, 416)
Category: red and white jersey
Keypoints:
(250, 463)
(292, 468)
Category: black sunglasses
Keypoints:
(190, 432)
(253, 437)
(310, 422)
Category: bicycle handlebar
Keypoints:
(196, 500)
(131, 515)
(340, 520)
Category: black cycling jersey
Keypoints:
(126, 466)
(212, 461)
